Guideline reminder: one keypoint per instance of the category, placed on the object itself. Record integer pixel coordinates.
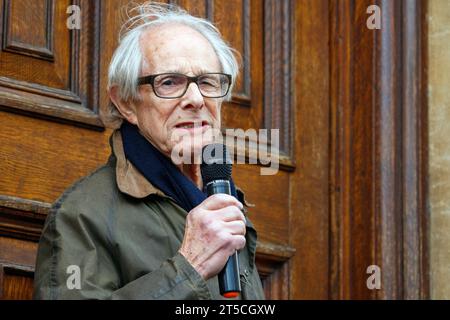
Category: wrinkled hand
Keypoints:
(215, 229)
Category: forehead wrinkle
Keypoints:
(154, 46)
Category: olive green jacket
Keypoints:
(113, 235)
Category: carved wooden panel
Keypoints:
(272, 261)
(233, 17)
(47, 69)
(19, 16)
(278, 108)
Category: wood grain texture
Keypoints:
(308, 191)
(378, 152)
(17, 287)
(246, 108)
(16, 282)
(199, 8)
(26, 67)
(40, 159)
(18, 16)
(18, 252)
(278, 108)
(352, 219)
(233, 19)
(269, 194)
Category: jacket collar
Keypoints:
(131, 182)
(129, 179)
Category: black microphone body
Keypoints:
(229, 281)
(216, 174)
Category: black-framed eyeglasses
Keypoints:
(175, 85)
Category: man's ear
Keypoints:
(126, 109)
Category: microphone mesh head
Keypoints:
(216, 164)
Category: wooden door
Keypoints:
(51, 134)
(310, 69)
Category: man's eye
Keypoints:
(169, 82)
(209, 83)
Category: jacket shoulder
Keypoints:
(96, 190)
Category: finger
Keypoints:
(235, 228)
(219, 201)
(232, 243)
(239, 242)
(230, 213)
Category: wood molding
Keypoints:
(86, 55)
(209, 8)
(246, 148)
(243, 97)
(415, 152)
(278, 108)
(37, 89)
(270, 256)
(79, 103)
(13, 268)
(273, 267)
(9, 44)
(22, 218)
(51, 108)
(379, 151)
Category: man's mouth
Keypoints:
(191, 125)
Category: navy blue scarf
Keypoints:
(160, 170)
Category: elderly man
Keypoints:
(140, 227)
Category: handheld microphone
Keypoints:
(216, 173)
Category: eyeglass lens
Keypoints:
(174, 85)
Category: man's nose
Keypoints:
(193, 96)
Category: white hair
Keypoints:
(127, 61)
